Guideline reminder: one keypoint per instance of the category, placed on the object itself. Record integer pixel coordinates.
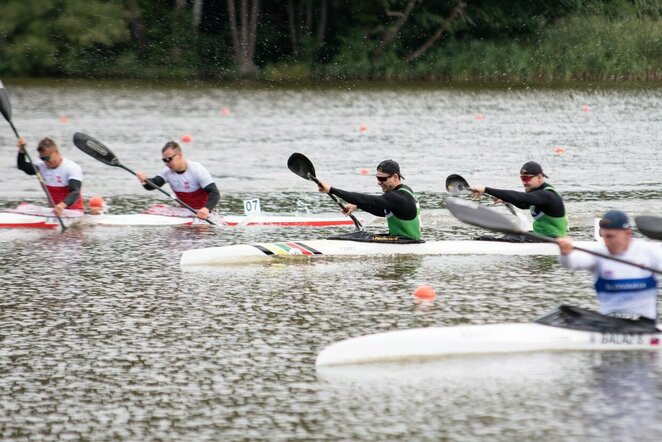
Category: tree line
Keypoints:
(520, 40)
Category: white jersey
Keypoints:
(60, 176)
(194, 177)
(621, 288)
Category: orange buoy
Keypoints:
(97, 205)
(97, 201)
(225, 111)
(585, 108)
(363, 128)
(364, 171)
(425, 293)
(559, 150)
(63, 119)
(186, 138)
(479, 117)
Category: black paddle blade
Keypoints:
(456, 185)
(95, 149)
(651, 226)
(301, 165)
(481, 216)
(5, 104)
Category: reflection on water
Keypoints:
(105, 337)
(564, 396)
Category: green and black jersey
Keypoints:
(546, 206)
(399, 206)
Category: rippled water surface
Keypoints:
(104, 336)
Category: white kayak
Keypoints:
(145, 219)
(31, 216)
(434, 342)
(272, 252)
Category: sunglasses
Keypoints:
(527, 178)
(381, 179)
(169, 159)
(45, 158)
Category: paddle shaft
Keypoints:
(40, 177)
(591, 252)
(357, 223)
(183, 204)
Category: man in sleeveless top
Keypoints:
(63, 178)
(543, 200)
(397, 202)
(190, 180)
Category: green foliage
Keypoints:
(286, 72)
(46, 37)
(499, 40)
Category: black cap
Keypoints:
(390, 167)
(615, 219)
(532, 168)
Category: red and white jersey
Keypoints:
(189, 185)
(57, 180)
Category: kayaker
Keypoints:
(543, 200)
(63, 177)
(190, 180)
(397, 203)
(623, 290)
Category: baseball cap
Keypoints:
(390, 167)
(615, 219)
(532, 168)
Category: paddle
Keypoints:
(97, 150)
(5, 109)
(457, 185)
(651, 226)
(302, 166)
(481, 216)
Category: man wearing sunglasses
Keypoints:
(544, 202)
(623, 290)
(63, 177)
(190, 180)
(397, 202)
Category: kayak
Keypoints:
(32, 216)
(434, 342)
(38, 217)
(287, 250)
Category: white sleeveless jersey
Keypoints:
(195, 177)
(60, 176)
(622, 289)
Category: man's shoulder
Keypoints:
(645, 245)
(403, 187)
(71, 165)
(196, 166)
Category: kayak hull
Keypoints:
(21, 220)
(269, 252)
(435, 342)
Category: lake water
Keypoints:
(103, 336)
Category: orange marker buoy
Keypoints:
(186, 138)
(425, 293)
(225, 111)
(559, 150)
(585, 108)
(97, 205)
(479, 117)
(63, 119)
(364, 171)
(97, 201)
(363, 128)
